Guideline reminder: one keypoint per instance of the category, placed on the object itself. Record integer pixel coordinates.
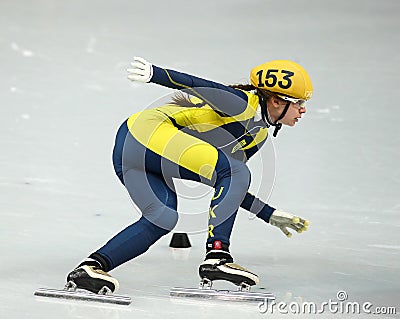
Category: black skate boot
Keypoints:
(90, 276)
(219, 265)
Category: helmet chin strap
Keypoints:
(267, 119)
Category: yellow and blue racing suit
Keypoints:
(208, 141)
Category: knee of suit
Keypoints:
(242, 173)
(164, 218)
(233, 169)
(154, 231)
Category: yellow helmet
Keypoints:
(283, 77)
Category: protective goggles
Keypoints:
(299, 102)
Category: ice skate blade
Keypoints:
(228, 295)
(83, 295)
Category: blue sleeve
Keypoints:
(258, 207)
(222, 98)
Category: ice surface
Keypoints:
(64, 94)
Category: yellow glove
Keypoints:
(284, 220)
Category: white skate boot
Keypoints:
(219, 265)
(89, 276)
(88, 282)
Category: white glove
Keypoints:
(141, 70)
(282, 220)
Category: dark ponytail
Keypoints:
(244, 87)
(182, 99)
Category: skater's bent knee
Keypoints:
(165, 220)
(241, 174)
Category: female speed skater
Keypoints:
(206, 133)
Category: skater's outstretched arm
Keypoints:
(257, 206)
(220, 97)
(280, 219)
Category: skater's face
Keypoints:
(295, 111)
